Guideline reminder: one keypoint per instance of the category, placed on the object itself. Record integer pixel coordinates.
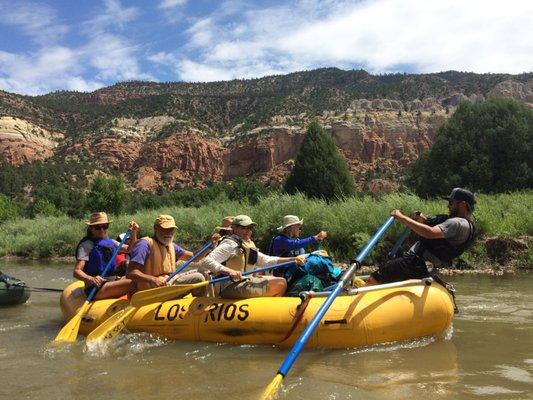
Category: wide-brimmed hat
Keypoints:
(98, 218)
(460, 194)
(165, 221)
(225, 224)
(243, 220)
(290, 220)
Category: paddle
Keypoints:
(70, 331)
(190, 260)
(392, 253)
(272, 389)
(114, 324)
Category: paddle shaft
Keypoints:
(392, 253)
(190, 260)
(254, 271)
(110, 263)
(306, 335)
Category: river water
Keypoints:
(487, 355)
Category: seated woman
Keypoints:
(94, 252)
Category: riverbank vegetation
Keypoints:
(350, 224)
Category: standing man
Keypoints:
(441, 240)
(237, 253)
(154, 258)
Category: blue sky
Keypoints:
(87, 44)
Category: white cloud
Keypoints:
(171, 3)
(380, 35)
(37, 21)
(113, 16)
(104, 54)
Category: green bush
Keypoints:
(485, 147)
(7, 209)
(319, 170)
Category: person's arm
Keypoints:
(134, 227)
(82, 276)
(425, 231)
(264, 260)
(288, 244)
(223, 252)
(135, 270)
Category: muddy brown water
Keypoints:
(487, 355)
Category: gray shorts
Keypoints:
(254, 286)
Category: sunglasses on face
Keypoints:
(100, 227)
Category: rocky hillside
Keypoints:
(184, 134)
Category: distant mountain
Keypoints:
(180, 134)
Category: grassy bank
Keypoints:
(349, 223)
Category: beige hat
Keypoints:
(243, 220)
(225, 225)
(290, 220)
(98, 218)
(165, 221)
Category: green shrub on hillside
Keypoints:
(486, 147)
(319, 170)
(107, 194)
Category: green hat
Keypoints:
(243, 220)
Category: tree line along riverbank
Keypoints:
(504, 223)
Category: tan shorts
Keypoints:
(254, 286)
(192, 276)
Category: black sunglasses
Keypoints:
(100, 227)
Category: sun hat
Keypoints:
(225, 224)
(165, 221)
(290, 220)
(98, 218)
(243, 220)
(460, 194)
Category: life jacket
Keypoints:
(246, 256)
(161, 261)
(99, 256)
(286, 253)
(442, 248)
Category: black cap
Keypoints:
(460, 194)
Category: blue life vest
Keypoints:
(286, 253)
(99, 256)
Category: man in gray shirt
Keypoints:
(441, 240)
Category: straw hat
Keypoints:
(98, 218)
(225, 225)
(290, 220)
(243, 220)
(165, 221)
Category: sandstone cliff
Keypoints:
(176, 135)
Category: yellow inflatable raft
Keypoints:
(413, 310)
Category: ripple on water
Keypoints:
(13, 327)
(491, 390)
(124, 346)
(515, 374)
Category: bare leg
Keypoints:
(115, 289)
(371, 281)
(276, 286)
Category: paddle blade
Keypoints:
(272, 389)
(164, 293)
(112, 326)
(69, 332)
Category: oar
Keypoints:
(70, 331)
(37, 289)
(114, 324)
(392, 253)
(190, 260)
(272, 389)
